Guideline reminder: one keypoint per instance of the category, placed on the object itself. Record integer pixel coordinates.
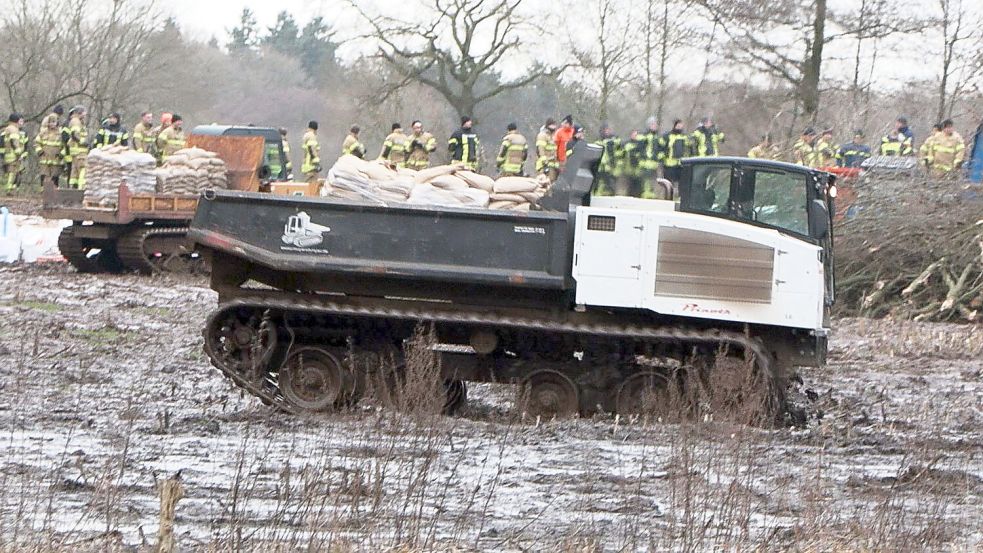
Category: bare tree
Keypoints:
(962, 40)
(783, 38)
(610, 64)
(666, 28)
(61, 50)
(456, 51)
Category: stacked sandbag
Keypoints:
(352, 178)
(518, 193)
(190, 170)
(108, 167)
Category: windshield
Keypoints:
(768, 196)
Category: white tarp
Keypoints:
(29, 239)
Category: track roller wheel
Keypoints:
(645, 393)
(243, 341)
(313, 380)
(549, 393)
(86, 256)
(456, 396)
(153, 249)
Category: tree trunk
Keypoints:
(809, 87)
(649, 103)
(663, 58)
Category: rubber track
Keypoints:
(72, 250)
(129, 247)
(663, 334)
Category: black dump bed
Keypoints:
(292, 235)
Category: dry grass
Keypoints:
(891, 465)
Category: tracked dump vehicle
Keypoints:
(590, 303)
(147, 232)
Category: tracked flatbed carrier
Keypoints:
(591, 304)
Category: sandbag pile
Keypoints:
(518, 193)
(108, 167)
(445, 185)
(191, 170)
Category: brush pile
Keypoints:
(911, 249)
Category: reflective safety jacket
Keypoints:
(513, 153)
(947, 152)
(286, 155)
(12, 143)
(48, 144)
(677, 146)
(75, 138)
(169, 141)
(611, 157)
(463, 146)
(763, 152)
(804, 153)
(420, 147)
(546, 152)
(312, 153)
(825, 153)
(631, 160)
(143, 138)
(653, 151)
(925, 151)
(395, 148)
(111, 135)
(706, 141)
(352, 146)
(852, 154)
(900, 146)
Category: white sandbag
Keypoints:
(470, 197)
(476, 180)
(449, 182)
(426, 194)
(378, 172)
(402, 188)
(507, 198)
(521, 207)
(511, 185)
(427, 174)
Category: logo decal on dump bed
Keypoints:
(300, 234)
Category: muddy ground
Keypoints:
(104, 392)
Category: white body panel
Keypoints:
(618, 268)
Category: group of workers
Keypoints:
(631, 166)
(63, 142)
(942, 153)
(413, 150)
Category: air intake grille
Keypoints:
(698, 264)
(600, 222)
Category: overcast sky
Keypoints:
(203, 19)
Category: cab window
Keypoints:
(710, 190)
(774, 198)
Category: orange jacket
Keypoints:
(563, 135)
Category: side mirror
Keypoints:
(818, 219)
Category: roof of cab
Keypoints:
(237, 130)
(766, 163)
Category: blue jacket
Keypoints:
(852, 155)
